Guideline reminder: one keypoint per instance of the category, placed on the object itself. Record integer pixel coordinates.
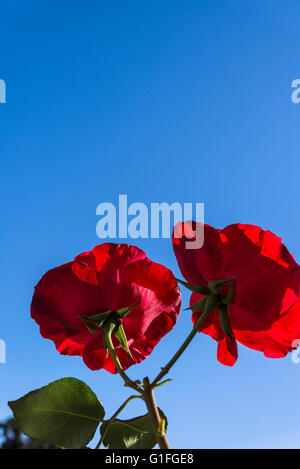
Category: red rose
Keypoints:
(265, 311)
(108, 278)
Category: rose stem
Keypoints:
(149, 399)
(180, 351)
(130, 398)
(128, 382)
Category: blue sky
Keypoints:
(163, 101)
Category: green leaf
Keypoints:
(66, 413)
(135, 433)
(121, 336)
(121, 313)
(195, 288)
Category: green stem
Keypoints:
(128, 382)
(118, 411)
(180, 351)
(100, 441)
(130, 398)
(161, 383)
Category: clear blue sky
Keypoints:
(163, 101)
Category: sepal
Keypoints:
(225, 321)
(201, 289)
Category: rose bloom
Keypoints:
(265, 311)
(108, 278)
